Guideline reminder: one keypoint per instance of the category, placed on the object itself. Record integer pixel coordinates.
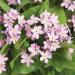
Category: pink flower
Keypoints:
(36, 31)
(10, 17)
(2, 68)
(54, 19)
(51, 46)
(66, 3)
(54, 46)
(14, 2)
(13, 34)
(14, 39)
(3, 60)
(25, 58)
(45, 14)
(71, 7)
(32, 20)
(44, 19)
(34, 49)
(63, 31)
(28, 31)
(52, 36)
(45, 56)
(13, 14)
(15, 30)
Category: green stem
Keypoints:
(12, 62)
(4, 49)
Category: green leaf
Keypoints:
(25, 45)
(50, 63)
(18, 48)
(19, 43)
(66, 45)
(23, 69)
(23, 3)
(4, 49)
(31, 11)
(49, 73)
(44, 6)
(4, 5)
(61, 63)
(12, 63)
(4, 73)
(67, 72)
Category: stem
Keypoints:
(4, 49)
(12, 62)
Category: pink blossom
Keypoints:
(3, 60)
(32, 20)
(14, 2)
(15, 30)
(13, 14)
(45, 56)
(52, 36)
(14, 39)
(36, 31)
(54, 19)
(10, 17)
(66, 3)
(34, 49)
(25, 58)
(2, 68)
(70, 5)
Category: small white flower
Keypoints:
(45, 56)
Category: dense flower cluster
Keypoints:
(13, 30)
(68, 4)
(42, 39)
(3, 60)
(14, 2)
(46, 25)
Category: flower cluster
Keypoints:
(3, 60)
(46, 25)
(14, 2)
(13, 30)
(68, 4)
